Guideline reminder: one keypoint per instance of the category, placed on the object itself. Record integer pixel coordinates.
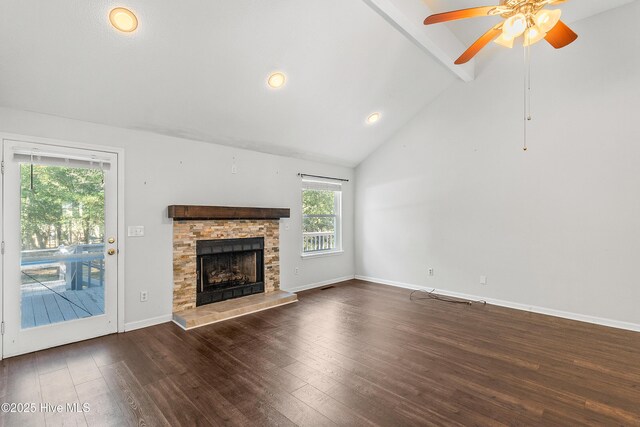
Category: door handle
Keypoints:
(111, 240)
(111, 251)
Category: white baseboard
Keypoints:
(319, 284)
(515, 305)
(132, 326)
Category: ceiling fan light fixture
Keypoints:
(515, 26)
(519, 16)
(547, 19)
(504, 40)
(533, 35)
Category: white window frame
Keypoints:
(318, 184)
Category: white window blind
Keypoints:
(317, 184)
(38, 157)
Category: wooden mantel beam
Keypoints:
(193, 212)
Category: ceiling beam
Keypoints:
(438, 40)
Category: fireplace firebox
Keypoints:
(229, 268)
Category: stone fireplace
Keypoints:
(222, 253)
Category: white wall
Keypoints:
(161, 171)
(556, 227)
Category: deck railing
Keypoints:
(319, 241)
(78, 265)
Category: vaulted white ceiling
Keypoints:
(197, 69)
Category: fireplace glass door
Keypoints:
(229, 268)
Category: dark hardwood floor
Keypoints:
(355, 354)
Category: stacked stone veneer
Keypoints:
(185, 235)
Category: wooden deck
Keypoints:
(44, 307)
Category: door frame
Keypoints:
(120, 155)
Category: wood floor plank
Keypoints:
(104, 409)
(81, 365)
(22, 379)
(165, 358)
(355, 354)
(329, 407)
(53, 360)
(174, 405)
(136, 405)
(58, 389)
(257, 411)
(22, 385)
(284, 402)
(204, 398)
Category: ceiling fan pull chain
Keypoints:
(527, 89)
(529, 82)
(524, 98)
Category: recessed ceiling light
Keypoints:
(123, 20)
(373, 118)
(276, 80)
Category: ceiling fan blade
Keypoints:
(479, 44)
(560, 35)
(473, 12)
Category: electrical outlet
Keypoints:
(430, 270)
(483, 280)
(297, 270)
(144, 296)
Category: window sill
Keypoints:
(321, 254)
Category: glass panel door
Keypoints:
(60, 260)
(62, 254)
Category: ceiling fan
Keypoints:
(528, 18)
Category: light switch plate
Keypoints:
(135, 231)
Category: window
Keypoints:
(321, 217)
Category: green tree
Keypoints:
(65, 206)
(316, 204)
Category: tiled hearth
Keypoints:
(211, 313)
(194, 223)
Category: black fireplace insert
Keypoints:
(229, 268)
